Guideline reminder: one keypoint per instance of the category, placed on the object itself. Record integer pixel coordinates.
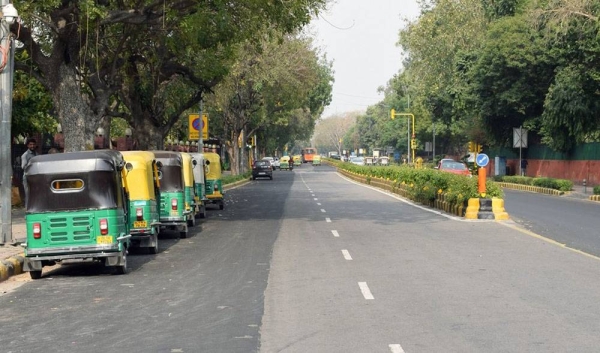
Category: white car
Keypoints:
(273, 160)
(357, 160)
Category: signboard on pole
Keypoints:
(196, 125)
(519, 137)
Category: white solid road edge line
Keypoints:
(346, 255)
(335, 233)
(396, 348)
(366, 292)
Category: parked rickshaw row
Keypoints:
(96, 205)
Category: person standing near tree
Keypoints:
(30, 153)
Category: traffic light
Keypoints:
(393, 113)
(479, 148)
(413, 144)
(250, 141)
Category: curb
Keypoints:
(11, 267)
(595, 198)
(530, 188)
(237, 183)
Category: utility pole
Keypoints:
(200, 137)
(9, 15)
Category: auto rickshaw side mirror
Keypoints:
(159, 165)
(129, 167)
(207, 162)
(194, 162)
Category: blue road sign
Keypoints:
(482, 159)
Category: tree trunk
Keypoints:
(77, 119)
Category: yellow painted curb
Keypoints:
(595, 198)
(472, 208)
(3, 272)
(18, 268)
(498, 210)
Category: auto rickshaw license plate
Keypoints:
(104, 239)
(140, 224)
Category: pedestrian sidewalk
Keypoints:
(19, 233)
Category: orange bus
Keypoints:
(307, 154)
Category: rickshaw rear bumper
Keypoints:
(34, 262)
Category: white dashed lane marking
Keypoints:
(335, 233)
(366, 292)
(396, 348)
(322, 210)
(346, 255)
(328, 220)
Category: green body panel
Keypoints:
(210, 189)
(200, 191)
(284, 165)
(150, 214)
(168, 214)
(72, 230)
(189, 196)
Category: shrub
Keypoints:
(597, 190)
(228, 179)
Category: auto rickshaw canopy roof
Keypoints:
(172, 178)
(198, 168)
(213, 169)
(188, 174)
(72, 162)
(143, 178)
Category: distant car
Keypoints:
(357, 160)
(454, 167)
(335, 156)
(262, 169)
(274, 161)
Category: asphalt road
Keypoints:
(311, 262)
(573, 222)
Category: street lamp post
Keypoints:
(9, 15)
(413, 142)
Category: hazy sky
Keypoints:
(360, 37)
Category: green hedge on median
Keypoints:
(550, 183)
(425, 184)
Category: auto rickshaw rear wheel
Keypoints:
(221, 205)
(154, 249)
(35, 274)
(122, 269)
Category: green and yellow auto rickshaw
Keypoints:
(214, 185)
(173, 213)
(191, 200)
(199, 183)
(297, 160)
(285, 163)
(77, 208)
(316, 160)
(144, 199)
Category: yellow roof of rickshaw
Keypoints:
(284, 159)
(140, 180)
(213, 170)
(188, 174)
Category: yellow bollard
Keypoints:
(472, 208)
(500, 213)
